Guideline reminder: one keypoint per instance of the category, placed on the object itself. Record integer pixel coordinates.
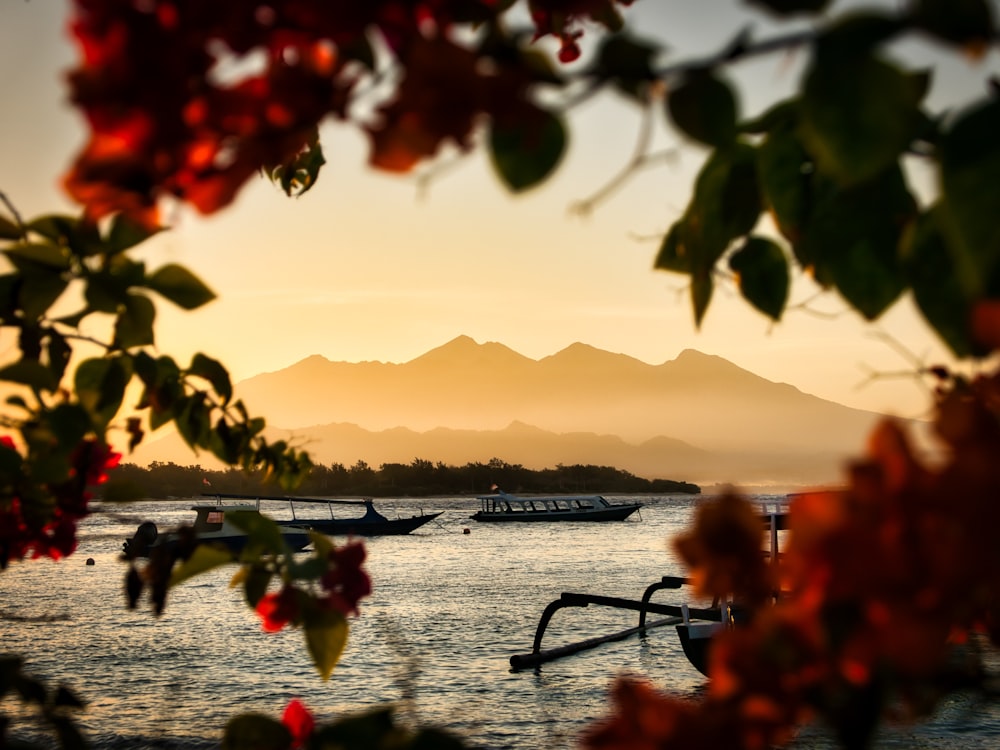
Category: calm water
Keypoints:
(447, 612)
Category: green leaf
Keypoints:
(371, 729)
(255, 584)
(937, 290)
(31, 373)
(126, 233)
(180, 286)
(859, 114)
(763, 275)
(100, 386)
(134, 324)
(701, 295)
(970, 173)
(967, 23)
(628, 63)
(213, 371)
(264, 534)
(24, 256)
(789, 7)
(205, 557)
(8, 229)
(255, 732)
(672, 255)
(59, 352)
(192, 418)
(853, 238)
(526, 151)
(40, 285)
(785, 169)
(326, 636)
(69, 423)
(55, 227)
(726, 204)
(704, 108)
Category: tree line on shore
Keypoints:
(419, 478)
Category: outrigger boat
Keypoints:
(503, 507)
(695, 626)
(212, 525)
(372, 523)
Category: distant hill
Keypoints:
(697, 418)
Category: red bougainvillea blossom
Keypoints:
(190, 99)
(34, 524)
(343, 585)
(299, 721)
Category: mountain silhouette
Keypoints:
(696, 418)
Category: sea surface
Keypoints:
(448, 610)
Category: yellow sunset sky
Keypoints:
(369, 266)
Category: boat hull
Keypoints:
(366, 527)
(614, 513)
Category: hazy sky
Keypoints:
(368, 267)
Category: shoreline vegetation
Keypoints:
(420, 478)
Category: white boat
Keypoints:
(212, 525)
(502, 507)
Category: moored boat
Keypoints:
(212, 525)
(501, 507)
(372, 523)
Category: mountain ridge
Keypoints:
(697, 417)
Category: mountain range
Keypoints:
(696, 418)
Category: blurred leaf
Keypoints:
(788, 7)
(53, 227)
(59, 352)
(326, 636)
(24, 256)
(701, 295)
(39, 289)
(8, 229)
(526, 151)
(69, 423)
(968, 23)
(191, 415)
(937, 290)
(100, 386)
(30, 373)
(367, 731)
(126, 233)
(66, 697)
(704, 108)
(180, 286)
(672, 255)
(205, 557)
(255, 732)
(970, 205)
(134, 324)
(264, 534)
(726, 204)
(853, 238)
(785, 169)
(212, 371)
(859, 114)
(255, 583)
(432, 738)
(628, 62)
(763, 275)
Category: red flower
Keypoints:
(346, 581)
(278, 609)
(299, 721)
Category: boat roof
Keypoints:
(289, 498)
(506, 496)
